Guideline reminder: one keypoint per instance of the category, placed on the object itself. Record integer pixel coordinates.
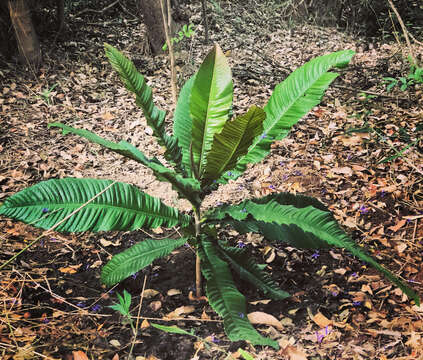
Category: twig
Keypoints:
(97, 11)
(405, 32)
(167, 25)
(138, 317)
(206, 24)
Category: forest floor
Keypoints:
(53, 305)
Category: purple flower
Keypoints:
(315, 255)
(284, 177)
(363, 210)
(271, 187)
(356, 303)
(229, 173)
(45, 320)
(319, 337)
(244, 210)
(262, 136)
(134, 276)
(80, 304)
(241, 244)
(298, 173)
(215, 339)
(382, 193)
(241, 315)
(334, 293)
(45, 210)
(354, 274)
(96, 307)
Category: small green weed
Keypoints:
(123, 308)
(415, 76)
(45, 95)
(187, 31)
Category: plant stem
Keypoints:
(197, 217)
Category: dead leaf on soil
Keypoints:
(398, 225)
(79, 355)
(182, 310)
(155, 305)
(150, 293)
(292, 353)
(72, 269)
(322, 320)
(258, 317)
(173, 292)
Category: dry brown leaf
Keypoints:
(150, 293)
(155, 305)
(145, 324)
(23, 353)
(401, 247)
(116, 357)
(322, 320)
(79, 355)
(173, 292)
(342, 170)
(72, 269)
(182, 310)
(258, 317)
(293, 353)
(398, 225)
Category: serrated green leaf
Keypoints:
(210, 104)
(301, 226)
(187, 187)
(225, 298)
(136, 258)
(171, 329)
(182, 123)
(289, 102)
(233, 142)
(248, 270)
(155, 117)
(122, 207)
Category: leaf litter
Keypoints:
(52, 302)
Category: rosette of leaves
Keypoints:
(207, 148)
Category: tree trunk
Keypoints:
(153, 20)
(26, 37)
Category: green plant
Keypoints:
(208, 148)
(187, 31)
(123, 307)
(176, 330)
(45, 95)
(415, 76)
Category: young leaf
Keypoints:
(307, 227)
(189, 188)
(237, 135)
(171, 329)
(135, 83)
(289, 102)
(136, 258)
(225, 298)
(210, 104)
(247, 268)
(182, 123)
(122, 207)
